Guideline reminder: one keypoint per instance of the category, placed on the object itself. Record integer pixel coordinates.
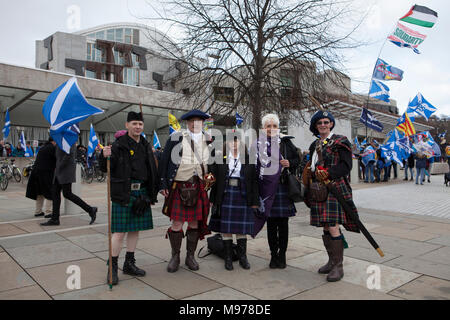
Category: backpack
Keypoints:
(216, 246)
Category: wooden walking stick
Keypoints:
(108, 170)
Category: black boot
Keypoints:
(242, 253)
(272, 238)
(93, 214)
(192, 236)
(283, 238)
(129, 266)
(228, 246)
(115, 277)
(176, 238)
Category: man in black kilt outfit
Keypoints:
(182, 170)
(134, 184)
(331, 159)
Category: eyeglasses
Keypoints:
(323, 122)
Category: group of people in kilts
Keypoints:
(245, 195)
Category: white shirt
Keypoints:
(234, 164)
(196, 136)
(315, 157)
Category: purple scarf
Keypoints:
(268, 181)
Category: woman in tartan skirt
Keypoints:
(133, 188)
(331, 159)
(234, 197)
(276, 156)
(182, 169)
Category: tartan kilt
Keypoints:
(181, 213)
(123, 220)
(235, 216)
(331, 212)
(282, 206)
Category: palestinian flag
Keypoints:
(421, 16)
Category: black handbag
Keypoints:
(216, 246)
(294, 184)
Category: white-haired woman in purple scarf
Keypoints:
(276, 155)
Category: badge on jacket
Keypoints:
(132, 152)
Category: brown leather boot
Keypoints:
(175, 242)
(191, 246)
(337, 258)
(326, 242)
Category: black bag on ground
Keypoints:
(217, 247)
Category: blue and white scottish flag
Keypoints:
(239, 119)
(379, 90)
(156, 143)
(391, 151)
(65, 107)
(421, 106)
(67, 138)
(6, 128)
(28, 152)
(93, 142)
(369, 120)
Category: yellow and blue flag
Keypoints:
(173, 124)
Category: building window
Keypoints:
(136, 60)
(131, 76)
(110, 36)
(224, 94)
(91, 74)
(100, 35)
(91, 35)
(128, 36)
(119, 35)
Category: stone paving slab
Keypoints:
(132, 289)
(91, 242)
(27, 293)
(355, 271)
(442, 230)
(342, 291)
(178, 285)
(79, 232)
(30, 240)
(262, 283)
(433, 269)
(221, 294)
(405, 234)
(10, 230)
(53, 278)
(441, 255)
(369, 254)
(12, 275)
(424, 288)
(442, 240)
(48, 253)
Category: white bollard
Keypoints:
(69, 206)
(354, 173)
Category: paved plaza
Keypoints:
(410, 222)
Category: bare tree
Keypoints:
(258, 55)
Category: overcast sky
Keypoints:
(24, 21)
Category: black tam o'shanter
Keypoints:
(134, 116)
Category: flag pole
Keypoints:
(108, 172)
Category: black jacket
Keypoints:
(121, 171)
(45, 159)
(248, 175)
(41, 177)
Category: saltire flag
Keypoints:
(393, 136)
(239, 119)
(364, 142)
(379, 90)
(156, 143)
(391, 152)
(421, 106)
(368, 155)
(65, 107)
(411, 113)
(93, 142)
(143, 135)
(405, 125)
(6, 128)
(356, 144)
(369, 120)
(67, 138)
(384, 71)
(421, 16)
(406, 37)
(442, 135)
(173, 124)
(405, 145)
(23, 144)
(208, 124)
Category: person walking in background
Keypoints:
(421, 163)
(39, 185)
(65, 175)
(409, 164)
(428, 169)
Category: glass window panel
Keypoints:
(128, 32)
(119, 35)
(89, 52)
(90, 74)
(91, 35)
(110, 35)
(100, 35)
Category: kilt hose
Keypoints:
(123, 220)
(282, 206)
(235, 216)
(178, 212)
(331, 212)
